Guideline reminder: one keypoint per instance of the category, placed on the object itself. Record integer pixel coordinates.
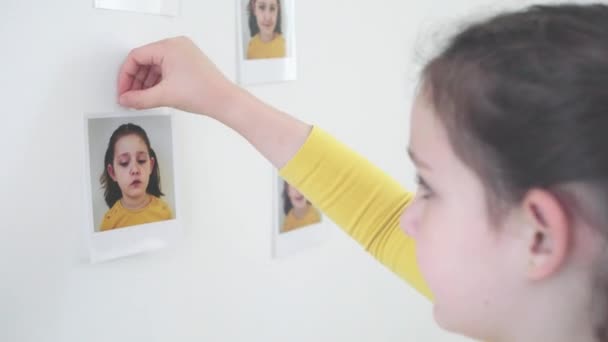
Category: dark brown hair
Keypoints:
(524, 100)
(287, 205)
(253, 24)
(112, 191)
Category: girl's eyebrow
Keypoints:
(417, 160)
(128, 153)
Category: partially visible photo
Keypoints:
(298, 212)
(298, 225)
(158, 7)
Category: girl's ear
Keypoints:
(548, 233)
(111, 172)
(152, 163)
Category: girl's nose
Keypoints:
(135, 170)
(409, 221)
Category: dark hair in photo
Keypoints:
(253, 24)
(287, 205)
(524, 100)
(112, 191)
(286, 200)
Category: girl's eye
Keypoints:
(123, 164)
(424, 189)
(142, 161)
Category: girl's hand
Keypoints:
(174, 73)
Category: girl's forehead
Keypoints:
(132, 137)
(426, 130)
(130, 141)
(428, 137)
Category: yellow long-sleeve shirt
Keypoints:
(358, 197)
(292, 222)
(119, 216)
(258, 49)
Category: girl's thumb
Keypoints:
(142, 99)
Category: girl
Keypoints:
(298, 210)
(508, 231)
(265, 26)
(131, 180)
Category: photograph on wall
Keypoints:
(297, 211)
(266, 36)
(158, 7)
(297, 223)
(131, 183)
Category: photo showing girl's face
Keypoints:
(297, 199)
(132, 166)
(266, 14)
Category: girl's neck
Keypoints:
(267, 38)
(584, 335)
(561, 314)
(300, 212)
(135, 203)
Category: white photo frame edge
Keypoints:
(169, 8)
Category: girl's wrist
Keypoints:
(233, 102)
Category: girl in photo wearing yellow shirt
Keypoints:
(267, 40)
(298, 210)
(131, 180)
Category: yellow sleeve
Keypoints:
(360, 198)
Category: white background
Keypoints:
(60, 60)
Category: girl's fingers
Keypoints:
(152, 78)
(151, 54)
(140, 77)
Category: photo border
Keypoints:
(159, 7)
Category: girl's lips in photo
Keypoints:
(136, 183)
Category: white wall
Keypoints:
(59, 60)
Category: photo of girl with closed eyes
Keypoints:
(131, 180)
(125, 156)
